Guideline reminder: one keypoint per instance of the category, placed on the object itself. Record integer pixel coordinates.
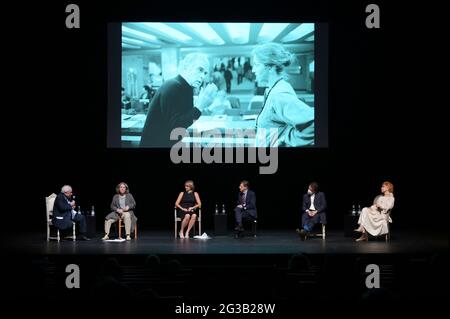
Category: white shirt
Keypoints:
(312, 202)
(244, 197)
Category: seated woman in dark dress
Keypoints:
(187, 204)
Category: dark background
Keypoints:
(388, 100)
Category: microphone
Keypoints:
(73, 199)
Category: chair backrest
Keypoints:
(234, 102)
(231, 112)
(256, 102)
(388, 214)
(49, 203)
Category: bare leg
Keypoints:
(184, 223)
(191, 224)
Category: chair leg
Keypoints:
(323, 232)
(199, 227)
(135, 231)
(73, 232)
(57, 235)
(176, 226)
(48, 232)
(120, 228)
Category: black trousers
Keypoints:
(309, 222)
(242, 214)
(81, 219)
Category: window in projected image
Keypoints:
(235, 84)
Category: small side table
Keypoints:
(91, 226)
(350, 223)
(220, 224)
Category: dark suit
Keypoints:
(62, 215)
(171, 107)
(249, 207)
(320, 204)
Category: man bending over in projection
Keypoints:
(173, 106)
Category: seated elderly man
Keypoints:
(64, 213)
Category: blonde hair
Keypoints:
(273, 54)
(190, 184)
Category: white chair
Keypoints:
(49, 203)
(199, 220)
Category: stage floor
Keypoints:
(267, 242)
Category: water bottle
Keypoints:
(217, 210)
(223, 209)
(92, 211)
(79, 210)
(359, 209)
(353, 210)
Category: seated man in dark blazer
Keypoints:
(313, 209)
(64, 213)
(173, 104)
(246, 206)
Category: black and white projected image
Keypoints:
(256, 81)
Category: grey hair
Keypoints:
(66, 188)
(190, 59)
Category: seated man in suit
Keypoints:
(246, 206)
(313, 210)
(64, 213)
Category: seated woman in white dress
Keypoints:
(374, 219)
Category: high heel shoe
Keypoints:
(363, 238)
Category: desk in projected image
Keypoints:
(132, 126)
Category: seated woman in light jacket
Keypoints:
(284, 120)
(374, 219)
(122, 206)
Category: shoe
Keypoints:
(363, 238)
(303, 234)
(106, 237)
(82, 237)
(128, 237)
